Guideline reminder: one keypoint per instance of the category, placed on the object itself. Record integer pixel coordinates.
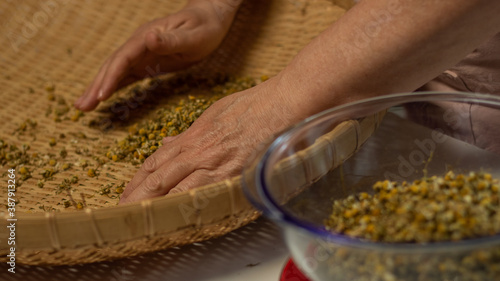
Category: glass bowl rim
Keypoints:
(278, 214)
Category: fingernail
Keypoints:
(100, 95)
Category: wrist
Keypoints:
(306, 93)
(285, 99)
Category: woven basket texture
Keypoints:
(63, 43)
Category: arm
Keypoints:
(359, 56)
(386, 46)
(163, 45)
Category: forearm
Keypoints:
(383, 46)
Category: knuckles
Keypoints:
(154, 184)
(150, 165)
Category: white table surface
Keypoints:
(253, 252)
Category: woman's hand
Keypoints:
(216, 146)
(163, 45)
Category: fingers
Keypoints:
(152, 164)
(117, 70)
(165, 37)
(154, 41)
(196, 179)
(161, 181)
(88, 100)
(113, 71)
(168, 42)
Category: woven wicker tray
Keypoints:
(63, 43)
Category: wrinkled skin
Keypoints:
(163, 45)
(215, 147)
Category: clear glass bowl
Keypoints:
(295, 178)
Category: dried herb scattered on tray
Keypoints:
(146, 137)
(195, 94)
